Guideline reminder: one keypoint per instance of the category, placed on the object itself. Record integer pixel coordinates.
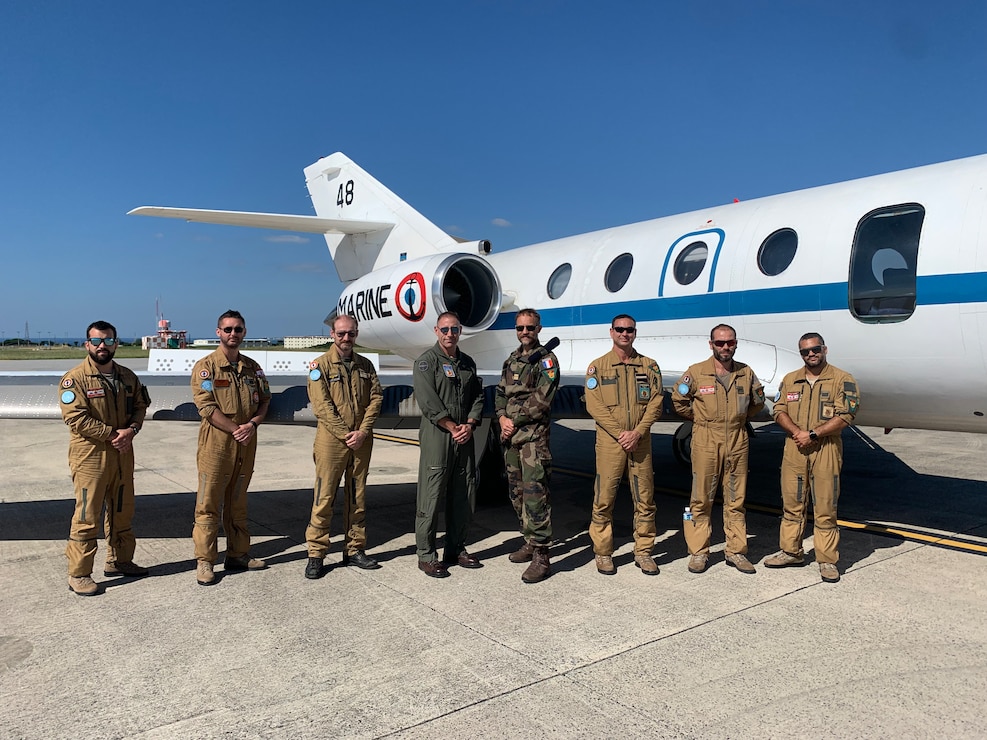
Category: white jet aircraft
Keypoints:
(891, 270)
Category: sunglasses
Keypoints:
(234, 329)
(350, 334)
(96, 341)
(622, 329)
(811, 350)
(521, 327)
(724, 342)
(453, 329)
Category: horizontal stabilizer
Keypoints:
(279, 221)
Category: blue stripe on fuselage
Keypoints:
(932, 290)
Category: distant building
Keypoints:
(304, 342)
(166, 338)
(248, 342)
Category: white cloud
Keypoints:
(287, 239)
(502, 222)
(313, 267)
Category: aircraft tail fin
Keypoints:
(365, 225)
(342, 190)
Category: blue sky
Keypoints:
(516, 122)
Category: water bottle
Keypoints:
(687, 515)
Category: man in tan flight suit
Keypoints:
(815, 404)
(232, 395)
(103, 404)
(718, 395)
(346, 398)
(624, 397)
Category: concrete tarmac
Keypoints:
(898, 648)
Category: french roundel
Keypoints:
(410, 297)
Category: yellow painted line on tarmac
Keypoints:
(880, 529)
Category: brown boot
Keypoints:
(523, 555)
(540, 569)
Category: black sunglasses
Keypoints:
(622, 329)
(96, 341)
(453, 329)
(811, 350)
(350, 334)
(234, 329)
(724, 342)
(522, 327)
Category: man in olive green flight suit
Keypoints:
(232, 396)
(624, 396)
(450, 395)
(103, 404)
(815, 404)
(718, 395)
(346, 398)
(527, 386)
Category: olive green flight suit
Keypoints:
(94, 408)
(225, 466)
(345, 397)
(814, 470)
(720, 446)
(623, 396)
(445, 387)
(524, 395)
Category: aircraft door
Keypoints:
(689, 268)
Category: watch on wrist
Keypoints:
(136, 429)
(251, 421)
(812, 435)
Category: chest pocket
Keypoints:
(743, 400)
(609, 392)
(364, 383)
(643, 388)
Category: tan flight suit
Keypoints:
(345, 398)
(94, 407)
(623, 396)
(816, 469)
(720, 445)
(225, 466)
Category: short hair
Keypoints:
(444, 314)
(230, 314)
(356, 324)
(812, 335)
(532, 313)
(101, 326)
(622, 316)
(721, 326)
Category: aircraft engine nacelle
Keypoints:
(397, 306)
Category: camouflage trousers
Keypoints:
(529, 468)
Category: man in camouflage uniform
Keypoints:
(346, 398)
(527, 386)
(103, 404)
(232, 396)
(624, 396)
(815, 404)
(450, 395)
(719, 395)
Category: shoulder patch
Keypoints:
(423, 365)
(206, 386)
(591, 370)
(203, 373)
(313, 364)
(68, 396)
(683, 389)
(591, 383)
(315, 373)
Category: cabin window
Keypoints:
(618, 272)
(690, 263)
(884, 263)
(559, 280)
(777, 252)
